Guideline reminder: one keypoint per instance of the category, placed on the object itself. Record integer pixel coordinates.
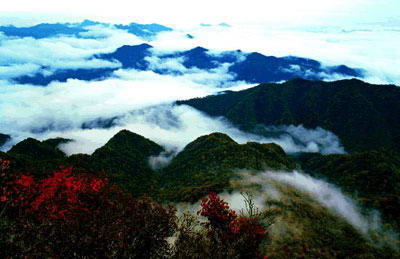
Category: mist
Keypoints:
(276, 186)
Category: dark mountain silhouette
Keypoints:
(144, 30)
(64, 75)
(33, 149)
(258, 68)
(4, 138)
(252, 67)
(364, 116)
(44, 30)
(47, 30)
(130, 56)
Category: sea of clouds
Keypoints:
(142, 101)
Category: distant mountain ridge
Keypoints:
(250, 67)
(362, 115)
(46, 30)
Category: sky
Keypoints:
(186, 13)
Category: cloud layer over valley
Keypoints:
(91, 111)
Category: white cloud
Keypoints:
(11, 71)
(64, 52)
(141, 100)
(274, 185)
(366, 46)
(168, 64)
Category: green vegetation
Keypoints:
(208, 163)
(304, 229)
(38, 157)
(205, 165)
(125, 159)
(364, 116)
(298, 225)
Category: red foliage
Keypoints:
(57, 196)
(4, 164)
(229, 228)
(81, 215)
(218, 213)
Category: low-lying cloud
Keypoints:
(271, 184)
(140, 101)
(312, 140)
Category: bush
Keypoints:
(69, 214)
(73, 214)
(224, 235)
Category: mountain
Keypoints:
(37, 150)
(258, 68)
(146, 31)
(301, 225)
(130, 56)
(63, 75)
(364, 116)
(250, 67)
(208, 163)
(125, 158)
(43, 30)
(47, 30)
(200, 57)
(3, 139)
(37, 157)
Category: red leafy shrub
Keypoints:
(69, 214)
(241, 234)
(217, 211)
(60, 195)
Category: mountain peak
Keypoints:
(198, 49)
(209, 141)
(126, 145)
(127, 138)
(143, 46)
(35, 149)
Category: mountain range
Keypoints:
(204, 165)
(248, 67)
(364, 116)
(210, 164)
(47, 30)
